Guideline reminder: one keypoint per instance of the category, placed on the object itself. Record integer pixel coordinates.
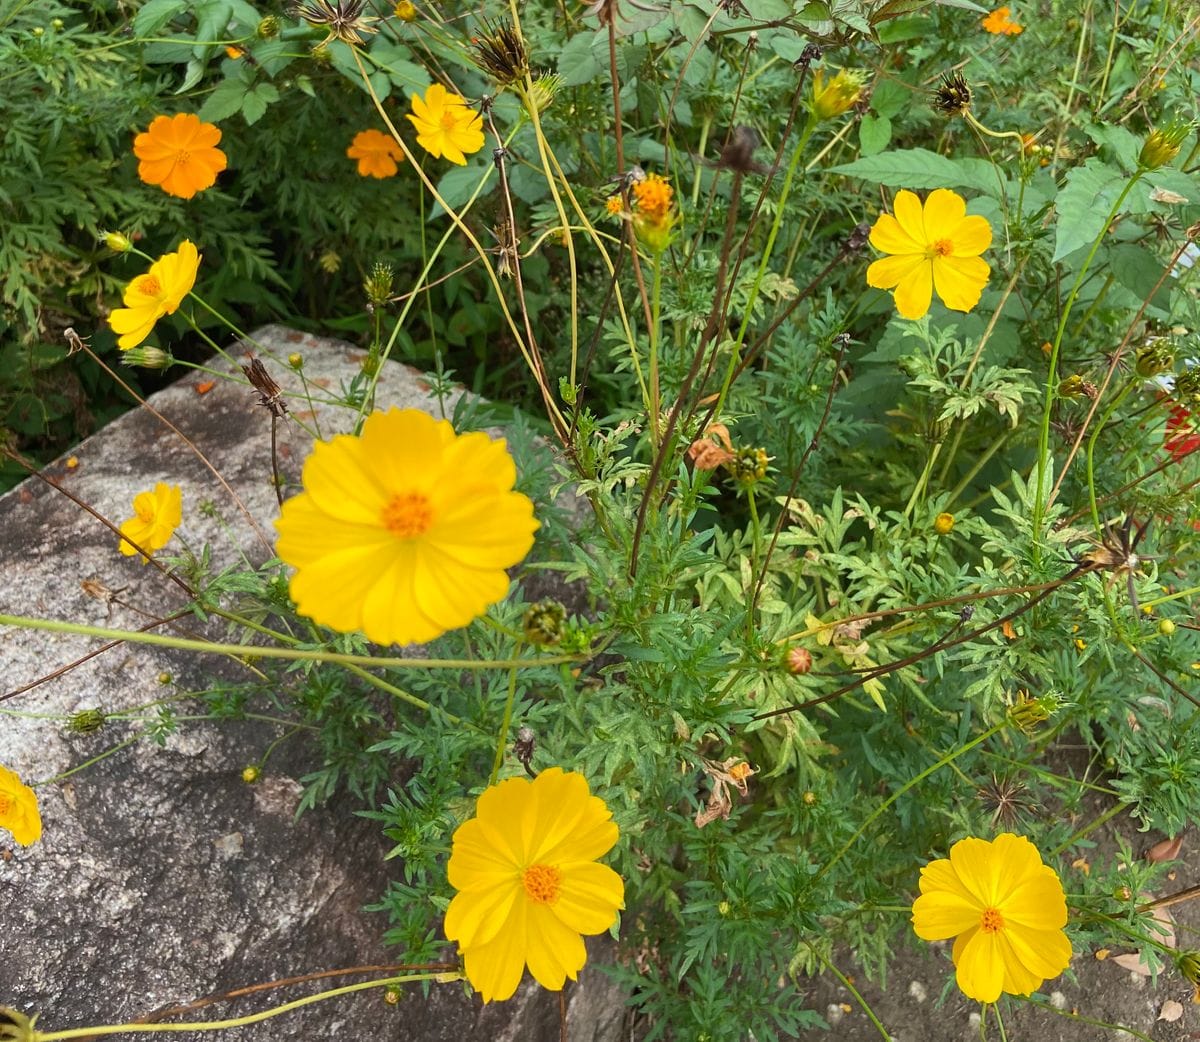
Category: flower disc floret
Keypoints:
(1006, 911)
(377, 154)
(156, 515)
(405, 531)
(932, 246)
(158, 292)
(446, 125)
(19, 809)
(529, 885)
(179, 154)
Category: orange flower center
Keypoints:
(150, 286)
(941, 248)
(5, 804)
(183, 156)
(449, 120)
(542, 883)
(991, 921)
(407, 515)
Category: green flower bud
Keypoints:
(87, 721)
(1163, 144)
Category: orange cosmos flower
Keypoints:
(377, 154)
(179, 154)
(1000, 23)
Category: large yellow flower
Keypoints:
(19, 809)
(159, 292)
(179, 154)
(446, 125)
(1005, 908)
(404, 532)
(156, 515)
(935, 247)
(528, 882)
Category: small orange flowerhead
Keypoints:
(1000, 22)
(158, 292)
(377, 154)
(156, 515)
(934, 245)
(179, 154)
(446, 125)
(654, 213)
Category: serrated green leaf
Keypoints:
(920, 168)
(152, 16)
(224, 101)
(577, 62)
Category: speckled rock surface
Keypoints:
(161, 876)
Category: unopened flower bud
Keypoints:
(1166, 627)
(1071, 387)
(393, 995)
(405, 11)
(330, 261)
(749, 465)
(296, 360)
(1188, 965)
(838, 96)
(1154, 358)
(544, 88)
(1163, 144)
(943, 524)
(1028, 714)
(799, 661)
(164, 678)
(147, 356)
(268, 28)
(251, 774)
(724, 908)
(117, 242)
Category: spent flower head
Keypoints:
(378, 284)
(499, 50)
(952, 96)
(344, 19)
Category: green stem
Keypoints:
(1091, 445)
(505, 723)
(849, 986)
(251, 1018)
(292, 654)
(1108, 815)
(655, 337)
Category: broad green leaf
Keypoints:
(212, 19)
(1083, 205)
(224, 101)
(874, 134)
(577, 63)
(195, 69)
(151, 17)
(920, 168)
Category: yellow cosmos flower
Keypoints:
(19, 809)
(1005, 909)
(159, 292)
(404, 532)
(179, 153)
(156, 515)
(528, 882)
(446, 126)
(377, 153)
(934, 247)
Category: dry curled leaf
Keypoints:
(1165, 850)
(1171, 1011)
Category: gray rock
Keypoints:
(161, 876)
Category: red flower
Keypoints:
(1182, 437)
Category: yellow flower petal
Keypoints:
(944, 211)
(910, 216)
(960, 281)
(889, 272)
(979, 965)
(591, 896)
(553, 950)
(971, 236)
(915, 291)
(1044, 953)
(19, 809)
(888, 236)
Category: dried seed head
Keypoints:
(953, 96)
(499, 50)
